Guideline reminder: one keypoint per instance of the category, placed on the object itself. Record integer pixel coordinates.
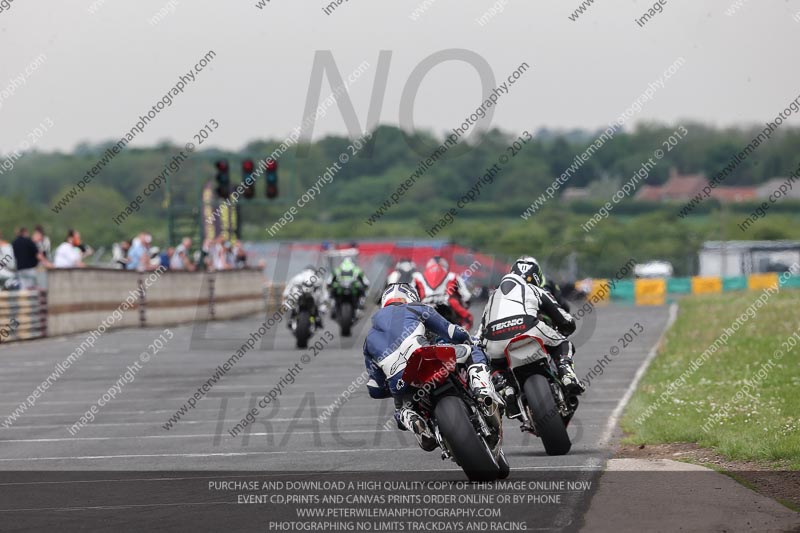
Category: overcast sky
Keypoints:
(103, 70)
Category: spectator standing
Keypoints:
(240, 255)
(43, 246)
(120, 254)
(230, 256)
(138, 255)
(218, 254)
(43, 243)
(27, 256)
(165, 258)
(68, 254)
(180, 259)
(7, 263)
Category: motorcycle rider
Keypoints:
(403, 272)
(521, 297)
(349, 270)
(438, 286)
(310, 279)
(399, 328)
(558, 295)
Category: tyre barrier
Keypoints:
(23, 315)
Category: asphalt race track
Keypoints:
(143, 469)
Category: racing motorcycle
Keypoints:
(304, 317)
(346, 299)
(534, 394)
(469, 431)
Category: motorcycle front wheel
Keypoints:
(303, 331)
(346, 318)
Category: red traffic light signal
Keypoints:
(223, 179)
(247, 178)
(272, 165)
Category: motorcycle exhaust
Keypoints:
(573, 402)
(487, 401)
(491, 411)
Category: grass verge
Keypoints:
(743, 401)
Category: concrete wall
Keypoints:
(80, 299)
(84, 299)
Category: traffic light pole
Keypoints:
(170, 214)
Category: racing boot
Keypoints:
(407, 418)
(506, 391)
(481, 385)
(566, 373)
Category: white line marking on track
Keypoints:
(202, 435)
(410, 448)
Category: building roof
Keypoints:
(734, 194)
(677, 187)
(649, 193)
(683, 187)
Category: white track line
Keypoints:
(204, 435)
(591, 463)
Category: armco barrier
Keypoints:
(81, 299)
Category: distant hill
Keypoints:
(365, 183)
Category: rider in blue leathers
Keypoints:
(398, 329)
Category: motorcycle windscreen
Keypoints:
(524, 350)
(429, 364)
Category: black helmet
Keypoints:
(528, 268)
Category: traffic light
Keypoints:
(272, 178)
(248, 167)
(223, 178)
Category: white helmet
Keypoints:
(399, 293)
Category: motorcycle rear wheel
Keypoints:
(468, 448)
(546, 416)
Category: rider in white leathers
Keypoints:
(514, 308)
(310, 280)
